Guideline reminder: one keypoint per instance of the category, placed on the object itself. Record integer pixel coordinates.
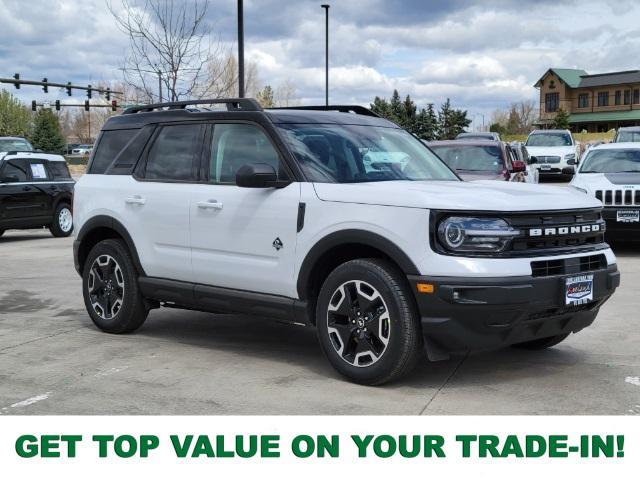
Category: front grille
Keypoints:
(568, 266)
(558, 311)
(557, 231)
(548, 159)
(619, 197)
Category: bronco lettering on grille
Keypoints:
(558, 231)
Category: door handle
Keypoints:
(135, 200)
(210, 204)
(26, 189)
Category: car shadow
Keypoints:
(8, 238)
(290, 344)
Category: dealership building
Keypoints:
(595, 103)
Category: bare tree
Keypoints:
(286, 94)
(168, 45)
(222, 77)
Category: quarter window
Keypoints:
(59, 171)
(235, 145)
(174, 153)
(110, 144)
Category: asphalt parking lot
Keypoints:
(54, 361)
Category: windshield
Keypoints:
(628, 137)
(358, 153)
(15, 145)
(549, 140)
(472, 158)
(611, 161)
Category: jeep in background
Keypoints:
(555, 151)
(36, 191)
(335, 218)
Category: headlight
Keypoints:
(570, 156)
(469, 234)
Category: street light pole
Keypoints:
(326, 53)
(240, 50)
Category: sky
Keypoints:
(483, 55)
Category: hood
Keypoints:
(481, 195)
(551, 151)
(602, 181)
(470, 176)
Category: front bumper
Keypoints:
(620, 230)
(465, 314)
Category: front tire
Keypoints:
(542, 343)
(367, 322)
(110, 288)
(62, 222)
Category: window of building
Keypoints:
(618, 97)
(627, 97)
(173, 154)
(636, 95)
(603, 99)
(583, 100)
(552, 102)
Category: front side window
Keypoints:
(15, 171)
(583, 100)
(471, 158)
(234, 145)
(559, 139)
(611, 161)
(174, 152)
(552, 102)
(358, 153)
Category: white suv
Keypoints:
(276, 213)
(555, 151)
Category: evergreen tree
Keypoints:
(47, 134)
(15, 118)
(426, 126)
(451, 122)
(265, 97)
(561, 120)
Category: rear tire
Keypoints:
(62, 222)
(541, 343)
(367, 322)
(110, 288)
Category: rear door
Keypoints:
(18, 206)
(44, 190)
(243, 238)
(155, 202)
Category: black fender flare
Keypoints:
(352, 236)
(105, 221)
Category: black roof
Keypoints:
(243, 109)
(613, 78)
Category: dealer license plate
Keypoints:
(578, 290)
(628, 216)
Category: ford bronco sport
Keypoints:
(332, 217)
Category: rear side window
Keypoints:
(15, 171)
(59, 171)
(38, 171)
(111, 144)
(174, 153)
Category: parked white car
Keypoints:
(555, 151)
(82, 150)
(611, 173)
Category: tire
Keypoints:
(62, 222)
(110, 288)
(384, 305)
(1, 232)
(541, 343)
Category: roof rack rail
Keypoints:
(245, 104)
(357, 109)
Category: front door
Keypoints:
(243, 238)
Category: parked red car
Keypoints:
(481, 159)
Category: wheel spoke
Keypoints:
(106, 286)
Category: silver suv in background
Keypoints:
(627, 134)
(555, 151)
(15, 144)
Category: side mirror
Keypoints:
(10, 179)
(256, 175)
(533, 160)
(572, 162)
(519, 166)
